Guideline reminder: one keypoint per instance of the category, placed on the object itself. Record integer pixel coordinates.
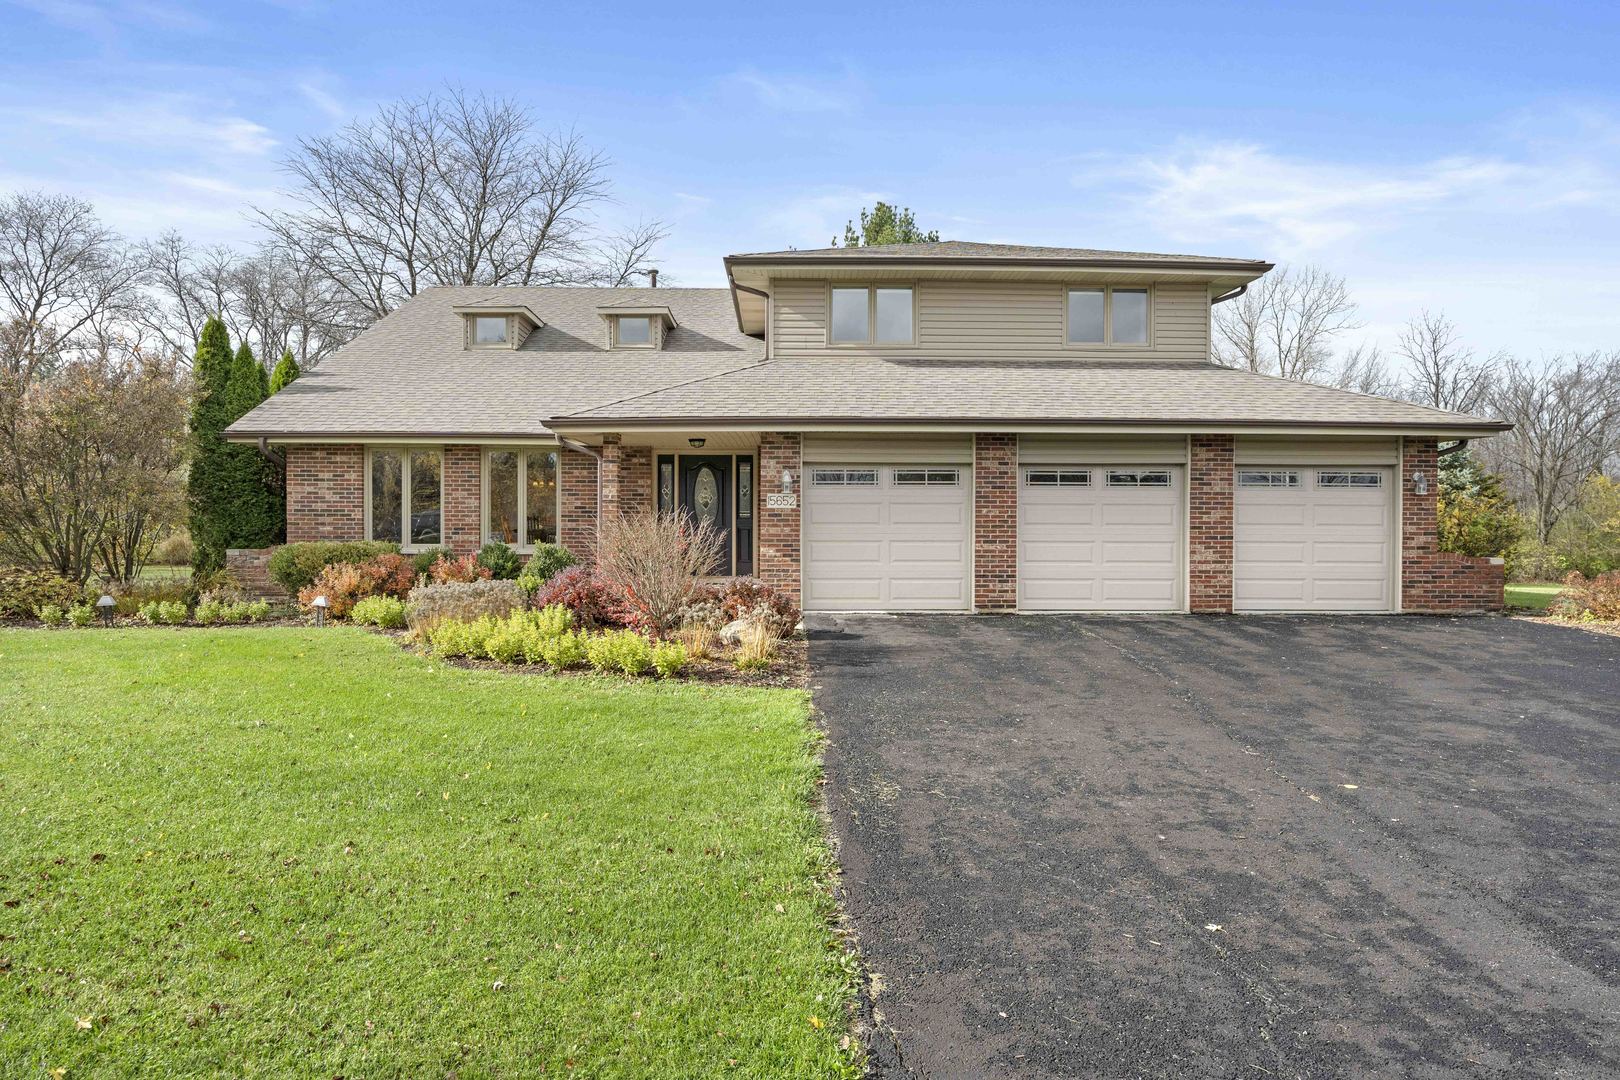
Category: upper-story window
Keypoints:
(1107, 316)
(489, 330)
(633, 331)
(878, 315)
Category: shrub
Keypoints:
(555, 619)
(1587, 536)
(501, 561)
(455, 637)
(24, 591)
(563, 651)
(173, 550)
(163, 612)
(547, 562)
(429, 605)
(752, 599)
(423, 560)
(345, 584)
(129, 598)
(295, 566)
(387, 612)
(505, 643)
(210, 613)
(592, 601)
(453, 571)
(619, 650)
(255, 611)
(669, 657)
(698, 638)
(1590, 598)
(51, 615)
(81, 615)
(756, 646)
(652, 561)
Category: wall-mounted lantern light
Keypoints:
(105, 605)
(787, 482)
(1420, 483)
(319, 604)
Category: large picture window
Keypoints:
(405, 496)
(520, 497)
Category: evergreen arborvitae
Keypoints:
(208, 482)
(256, 505)
(286, 371)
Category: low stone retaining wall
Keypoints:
(251, 569)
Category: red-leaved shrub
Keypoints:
(752, 598)
(344, 584)
(466, 568)
(593, 601)
(1594, 598)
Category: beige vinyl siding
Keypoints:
(888, 449)
(1101, 449)
(991, 320)
(1291, 450)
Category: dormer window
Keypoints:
(633, 330)
(495, 325)
(633, 325)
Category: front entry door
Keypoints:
(706, 495)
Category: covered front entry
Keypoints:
(887, 537)
(1313, 538)
(1100, 538)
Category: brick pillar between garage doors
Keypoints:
(1209, 524)
(779, 525)
(995, 521)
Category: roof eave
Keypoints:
(1248, 266)
(1470, 429)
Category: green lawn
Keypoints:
(1535, 597)
(276, 852)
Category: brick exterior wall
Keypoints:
(1209, 524)
(463, 499)
(995, 521)
(611, 469)
(250, 569)
(1432, 580)
(577, 479)
(778, 527)
(325, 493)
(635, 479)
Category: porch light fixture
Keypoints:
(319, 604)
(1420, 483)
(696, 444)
(105, 605)
(787, 481)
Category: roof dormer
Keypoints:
(496, 326)
(636, 326)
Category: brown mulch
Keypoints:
(789, 671)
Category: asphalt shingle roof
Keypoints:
(965, 249)
(410, 375)
(867, 390)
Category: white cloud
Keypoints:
(169, 121)
(796, 93)
(327, 103)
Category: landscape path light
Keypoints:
(320, 610)
(105, 605)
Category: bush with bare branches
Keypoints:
(654, 560)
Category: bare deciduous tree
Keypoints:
(62, 274)
(1286, 323)
(625, 257)
(1442, 370)
(444, 190)
(1365, 371)
(1566, 417)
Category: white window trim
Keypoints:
(653, 333)
(1060, 477)
(1108, 341)
(932, 476)
(839, 476)
(871, 315)
(523, 452)
(1351, 476)
(1270, 479)
(404, 451)
(1116, 478)
(472, 333)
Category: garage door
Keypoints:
(1313, 539)
(1099, 538)
(887, 538)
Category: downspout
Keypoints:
(1233, 295)
(1460, 444)
(278, 460)
(588, 452)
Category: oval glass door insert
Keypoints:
(706, 494)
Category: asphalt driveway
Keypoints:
(1190, 847)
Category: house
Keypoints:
(918, 427)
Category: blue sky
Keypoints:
(1463, 157)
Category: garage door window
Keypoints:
(1342, 479)
(1268, 478)
(927, 477)
(1133, 478)
(844, 477)
(1057, 478)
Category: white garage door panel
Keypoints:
(886, 546)
(1313, 547)
(1094, 547)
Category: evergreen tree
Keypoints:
(256, 505)
(885, 224)
(207, 483)
(286, 371)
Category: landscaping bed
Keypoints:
(309, 852)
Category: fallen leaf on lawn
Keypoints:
(780, 910)
(84, 1023)
(57, 1073)
(815, 1022)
